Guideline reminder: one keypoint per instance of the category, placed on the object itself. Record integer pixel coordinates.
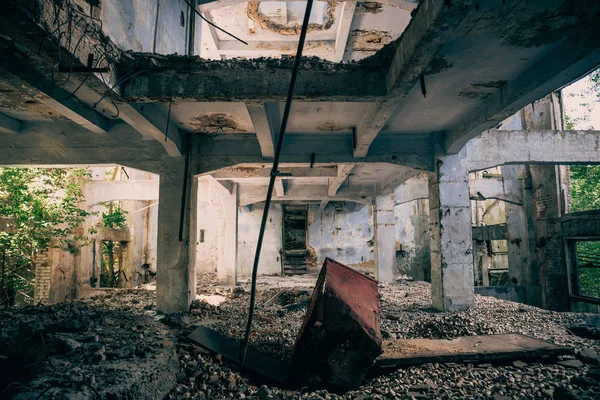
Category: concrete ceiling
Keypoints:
(449, 72)
(341, 31)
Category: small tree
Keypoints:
(39, 209)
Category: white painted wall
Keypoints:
(343, 233)
(248, 227)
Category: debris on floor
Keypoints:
(200, 374)
(475, 349)
(82, 351)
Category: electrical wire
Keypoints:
(274, 173)
(213, 25)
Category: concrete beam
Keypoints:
(146, 124)
(344, 24)
(67, 143)
(256, 48)
(279, 189)
(575, 56)
(499, 147)
(253, 194)
(23, 78)
(263, 172)
(335, 183)
(216, 152)
(252, 80)
(209, 5)
(260, 121)
(102, 191)
(414, 51)
(209, 40)
(9, 124)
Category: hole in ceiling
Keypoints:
(285, 17)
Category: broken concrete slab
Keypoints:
(485, 348)
(340, 336)
(257, 363)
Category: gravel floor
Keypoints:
(406, 313)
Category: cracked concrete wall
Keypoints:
(344, 232)
(249, 219)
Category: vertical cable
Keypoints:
(274, 173)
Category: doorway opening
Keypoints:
(295, 246)
(112, 274)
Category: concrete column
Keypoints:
(519, 259)
(452, 285)
(226, 264)
(550, 272)
(385, 238)
(175, 279)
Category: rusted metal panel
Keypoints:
(340, 336)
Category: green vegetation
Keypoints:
(585, 187)
(585, 195)
(114, 217)
(39, 208)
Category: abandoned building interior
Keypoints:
(227, 199)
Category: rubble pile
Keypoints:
(75, 350)
(118, 346)
(406, 313)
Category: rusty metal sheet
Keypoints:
(340, 336)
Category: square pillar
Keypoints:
(226, 265)
(519, 259)
(452, 285)
(385, 238)
(175, 275)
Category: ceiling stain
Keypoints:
(368, 40)
(437, 65)
(331, 126)
(215, 123)
(483, 90)
(368, 7)
(265, 23)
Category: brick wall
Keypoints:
(43, 271)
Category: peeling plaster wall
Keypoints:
(211, 212)
(131, 25)
(249, 219)
(411, 212)
(343, 232)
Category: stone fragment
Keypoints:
(571, 363)
(589, 356)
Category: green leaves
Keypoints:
(40, 208)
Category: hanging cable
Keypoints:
(211, 24)
(274, 173)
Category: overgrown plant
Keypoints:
(39, 208)
(585, 189)
(114, 217)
